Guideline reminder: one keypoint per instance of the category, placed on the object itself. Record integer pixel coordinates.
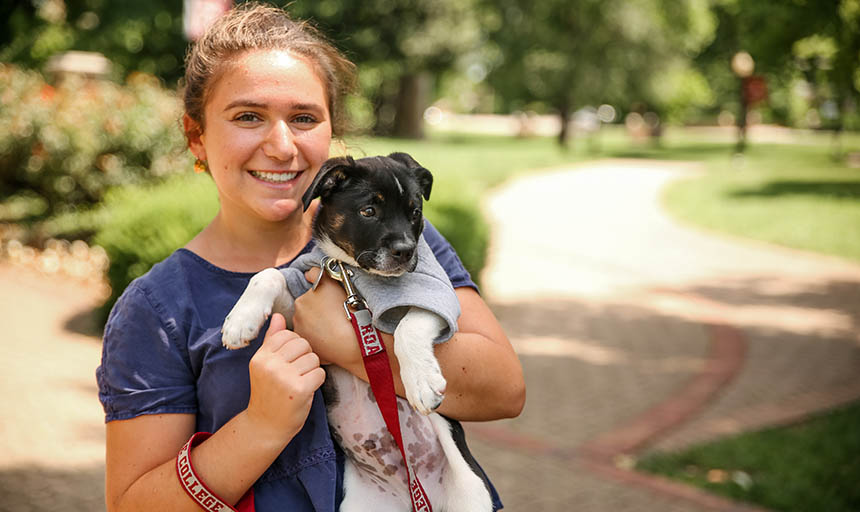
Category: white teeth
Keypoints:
(274, 177)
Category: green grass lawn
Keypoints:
(796, 196)
(791, 195)
(813, 466)
(481, 161)
(464, 167)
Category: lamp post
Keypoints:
(743, 66)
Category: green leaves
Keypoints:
(68, 144)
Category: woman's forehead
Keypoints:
(268, 77)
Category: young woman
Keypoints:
(264, 96)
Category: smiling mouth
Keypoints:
(274, 177)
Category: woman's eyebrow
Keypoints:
(257, 104)
(245, 103)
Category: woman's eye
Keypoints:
(368, 211)
(247, 117)
(305, 119)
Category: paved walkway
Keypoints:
(51, 425)
(635, 333)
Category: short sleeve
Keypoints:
(145, 367)
(447, 258)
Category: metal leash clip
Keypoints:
(339, 273)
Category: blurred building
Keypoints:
(199, 14)
(87, 64)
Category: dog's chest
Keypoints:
(358, 427)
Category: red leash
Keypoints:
(379, 374)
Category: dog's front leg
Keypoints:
(419, 369)
(267, 291)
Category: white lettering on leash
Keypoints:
(370, 342)
(419, 499)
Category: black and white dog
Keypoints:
(370, 218)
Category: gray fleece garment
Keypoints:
(389, 298)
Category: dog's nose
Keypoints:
(402, 251)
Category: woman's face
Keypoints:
(267, 131)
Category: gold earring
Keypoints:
(200, 166)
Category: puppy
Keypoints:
(370, 218)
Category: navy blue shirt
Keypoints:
(162, 354)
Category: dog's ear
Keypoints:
(422, 175)
(333, 172)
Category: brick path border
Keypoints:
(605, 454)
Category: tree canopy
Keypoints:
(136, 36)
(568, 54)
(669, 56)
(399, 46)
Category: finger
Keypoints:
(306, 363)
(314, 378)
(293, 348)
(271, 342)
(312, 274)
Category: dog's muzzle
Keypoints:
(397, 259)
(403, 253)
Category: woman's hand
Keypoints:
(284, 373)
(320, 319)
(485, 378)
(141, 452)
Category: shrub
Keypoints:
(454, 211)
(140, 226)
(64, 146)
(147, 223)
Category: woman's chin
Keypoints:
(281, 209)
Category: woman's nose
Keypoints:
(280, 143)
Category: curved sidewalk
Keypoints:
(637, 333)
(52, 434)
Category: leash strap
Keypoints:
(197, 490)
(382, 384)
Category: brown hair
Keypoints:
(254, 26)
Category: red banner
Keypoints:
(755, 89)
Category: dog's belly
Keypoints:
(360, 430)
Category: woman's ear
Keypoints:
(194, 136)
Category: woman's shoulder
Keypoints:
(168, 274)
(179, 269)
(447, 257)
(167, 285)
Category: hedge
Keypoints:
(63, 146)
(140, 226)
(107, 162)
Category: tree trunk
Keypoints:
(564, 132)
(412, 99)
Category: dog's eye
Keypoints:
(368, 211)
(416, 214)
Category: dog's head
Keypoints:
(371, 211)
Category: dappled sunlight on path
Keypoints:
(52, 427)
(639, 333)
(635, 332)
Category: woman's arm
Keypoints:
(485, 378)
(141, 452)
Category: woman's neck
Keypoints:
(241, 245)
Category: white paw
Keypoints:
(424, 384)
(253, 308)
(243, 323)
(419, 370)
